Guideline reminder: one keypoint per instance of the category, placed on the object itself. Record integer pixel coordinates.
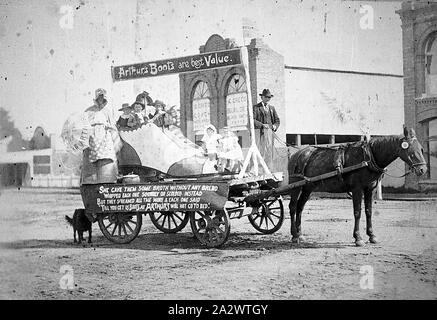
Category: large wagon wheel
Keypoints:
(211, 228)
(120, 227)
(169, 221)
(269, 217)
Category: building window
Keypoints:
(41, 164)
(431, 65)
(201, 107)
(432, 148)
(236, 103)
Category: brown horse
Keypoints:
(378, 152)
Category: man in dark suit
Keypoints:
(266, 121)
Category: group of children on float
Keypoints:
(223, 151)
(142, 111)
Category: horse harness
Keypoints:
(339, 160)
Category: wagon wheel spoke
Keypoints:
(177, 216)
(216, 235)
(220, 230)
(160, 215)
(220, 222)
(110, 224)
(267, 222)
(133, 222)
(272, 214)
(270, 202)
(124, 229)
(113, 230)
(119, 229)
(262, 219)
(276, 208)
(256, 217)
(128, 226)
(203, 235)
(168, 221)
(271, 220)
(174, 221)
(163, 221)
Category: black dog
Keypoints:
(80, 223)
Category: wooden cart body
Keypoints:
(209, 202)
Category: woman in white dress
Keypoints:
(104, 142)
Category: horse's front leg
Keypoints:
(368, 201)
(357, 196)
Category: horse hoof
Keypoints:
(359, 243)
(295, 240)
(373, 240)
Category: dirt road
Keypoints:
(36, 243)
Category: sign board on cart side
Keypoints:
(210, 60)
(152, 197)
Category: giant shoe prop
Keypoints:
(150, 149)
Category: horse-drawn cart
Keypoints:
(179, 191)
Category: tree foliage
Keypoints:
(7, 128)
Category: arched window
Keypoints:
(431, 65)
(201, 107)
(236, 103)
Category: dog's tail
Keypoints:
(69, 220)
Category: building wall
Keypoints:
(268, 72)
(419, 20)
(334, 103)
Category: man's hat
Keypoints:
(125, 106)
(266, 93)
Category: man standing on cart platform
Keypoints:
(266, 122)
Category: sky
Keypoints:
(55, 53)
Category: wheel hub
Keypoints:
(265, 211)
(113, 218)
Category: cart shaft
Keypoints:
(305, 180)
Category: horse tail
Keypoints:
(69, 220)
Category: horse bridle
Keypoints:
(404, 148)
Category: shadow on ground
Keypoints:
(169, 242)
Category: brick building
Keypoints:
(419, 28)
(219, 96)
